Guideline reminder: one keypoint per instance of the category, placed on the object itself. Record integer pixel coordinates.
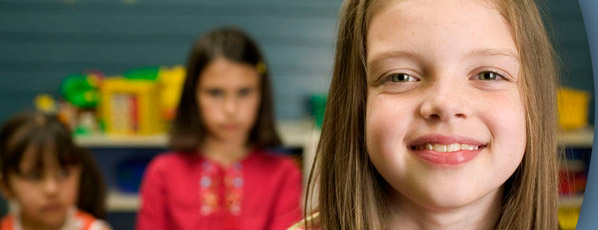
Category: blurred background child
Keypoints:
(50, 182)
(219, 175)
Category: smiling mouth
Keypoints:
(454, 147)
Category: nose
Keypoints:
(50, 185)
(444, 101)
(230, 105)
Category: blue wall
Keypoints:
(571, 43)
(42, 41)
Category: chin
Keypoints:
(55, 218)
(56, 221)
(449, 198)
(447, 201)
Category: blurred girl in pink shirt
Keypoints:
(219, 176)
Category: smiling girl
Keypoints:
(441, 115)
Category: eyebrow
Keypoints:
(378, 59)
(495, 52)
(393, 54)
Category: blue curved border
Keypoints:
(589, 209)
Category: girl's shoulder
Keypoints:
(269, 157)
(169, 160)
(312, 221)
(7, 222)
(86, 221)
(274, 162)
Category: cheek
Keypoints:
(506, 121)
(70, 189)
(387, 121)
(250, 108)
(27, 195)
(208, 110)
(22, 190)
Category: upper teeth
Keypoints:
(447, 148)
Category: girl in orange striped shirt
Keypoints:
(49, 182)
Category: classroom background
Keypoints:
(55, 53)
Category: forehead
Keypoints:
(37, 155)
(224, 73)
(443, 28)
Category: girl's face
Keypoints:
(228, 97)
(445, 121)
(44, 196)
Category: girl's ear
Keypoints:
(4, 189)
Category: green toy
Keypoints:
(80, 90)
(144, 73)
(317, 104)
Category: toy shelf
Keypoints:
(570, 201)
(122, 202)
(578, 138)
(293, 134)
(104, 141)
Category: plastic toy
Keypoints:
(573, 108)
(45, 103)
(130, 107)
(171, 84)
(81, 90)
(144, 73)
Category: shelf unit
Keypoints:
(577, 138)
(122, 202)
(294, 134)
(581, 138)
(571, 201)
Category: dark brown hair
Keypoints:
(44, 132)
(350, 192)
(234, 45)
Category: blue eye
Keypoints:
(401, 77)
(489, 76)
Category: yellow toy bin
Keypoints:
(573, 108)
(131, 107)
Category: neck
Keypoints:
(33, 225)
(480, 214)
(225, 152)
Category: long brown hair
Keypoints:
(42, 132)
(235, 45)
(351, 193)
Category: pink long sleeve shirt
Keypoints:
(186, 191)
